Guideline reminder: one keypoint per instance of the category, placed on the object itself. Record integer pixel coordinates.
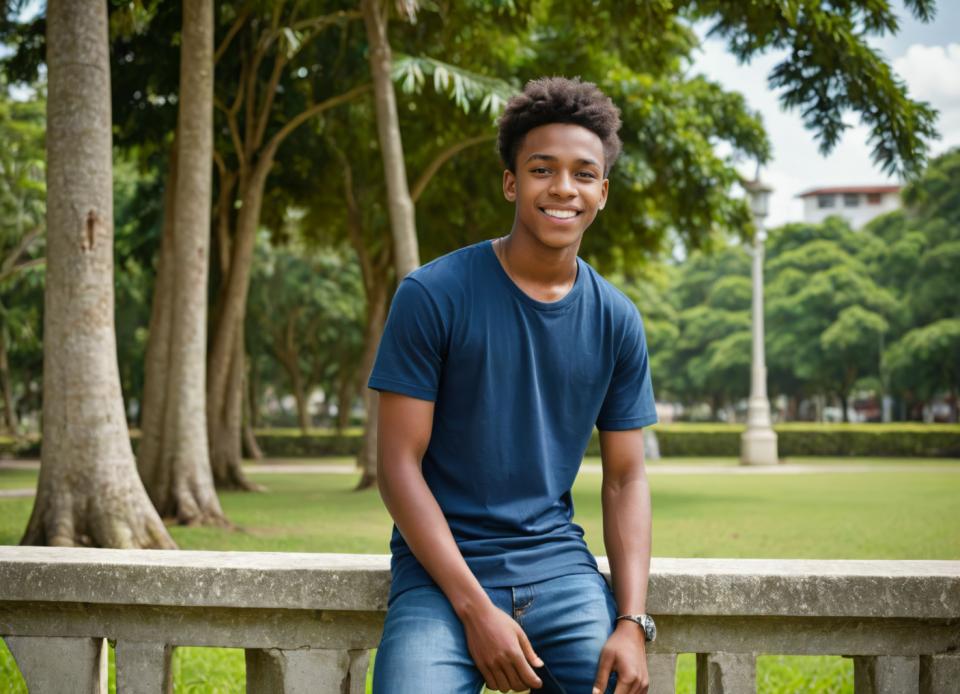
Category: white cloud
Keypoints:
(932, 74)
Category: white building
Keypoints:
(857, 204)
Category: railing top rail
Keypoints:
(724, 587)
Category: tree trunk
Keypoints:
(10, 412)
(226, 454)
(376, 318)
(402, 219)
(249, 438)
(89, 492)
(346, 391)
(303, 414)
(225, 361)
(176, 463)
(157, 357)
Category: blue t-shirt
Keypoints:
(518, 386)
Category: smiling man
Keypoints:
(496, 363)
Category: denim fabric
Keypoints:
(424, 648)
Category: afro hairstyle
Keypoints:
(558, 100)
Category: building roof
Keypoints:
(839, 190)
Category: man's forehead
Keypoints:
(562, 140)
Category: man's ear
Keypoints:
(509, 185)
(603, 195)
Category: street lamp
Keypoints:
(758, 444)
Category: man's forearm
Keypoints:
(425, 529)
(627, 537)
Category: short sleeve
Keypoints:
(629, 402)
(410, 357)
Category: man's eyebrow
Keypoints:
(550, 157)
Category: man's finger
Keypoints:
(527, 676)
(528, 651)
(603, 672)
(502, 680)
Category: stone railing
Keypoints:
(307, 621)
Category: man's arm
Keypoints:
(626, 534)
(496, 642)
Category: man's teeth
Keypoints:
(560, 214)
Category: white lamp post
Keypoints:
(758, 444)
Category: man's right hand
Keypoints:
(501, 650)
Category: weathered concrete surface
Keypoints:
(848, 588)
(886, 675)
(939, 674)
(726, 673)
(57, 665)
(662, 669)
(196, 626)
(306, 671)
(804, 635)
(143, 667)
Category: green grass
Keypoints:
(17, 479)
(883, 514)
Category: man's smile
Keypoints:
(561, 213)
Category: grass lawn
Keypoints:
(883, 514)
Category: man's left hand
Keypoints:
(625, 653)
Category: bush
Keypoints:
(905, 440)
(812, 439)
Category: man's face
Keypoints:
(558, 185)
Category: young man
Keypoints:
(496, 362)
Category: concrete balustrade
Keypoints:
(308, 621)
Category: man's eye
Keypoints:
(539, 170)
(587, 174)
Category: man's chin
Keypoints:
(559, 239)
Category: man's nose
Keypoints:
(562, 185)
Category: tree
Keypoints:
(917, 257)
(259, 116)
(173, 458)
(22, 194)
(89, 492)
(927, 362)
(306, 313)
(825, 315)
(402, 225)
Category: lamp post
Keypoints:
(758, 444)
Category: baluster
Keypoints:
(939, 674)
(276, 671)
(886, 674)
(662, 668)
(726, 673)
(143, 668)
(60, 665)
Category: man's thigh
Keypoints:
(568, 621)
(424, 649)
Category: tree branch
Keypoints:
(303, 116)
(442, 158)
(20, 248)
(8, 273)
(234, 28)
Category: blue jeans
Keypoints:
(424, 648)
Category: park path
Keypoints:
(285, 467)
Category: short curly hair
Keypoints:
(559, 100)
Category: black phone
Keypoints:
(551, 685)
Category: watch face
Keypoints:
(650, 628)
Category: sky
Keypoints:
(925, 56)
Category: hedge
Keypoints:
(910, 440)
(811, 439)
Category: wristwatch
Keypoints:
(646, 623)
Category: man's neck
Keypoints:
(533, 264)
